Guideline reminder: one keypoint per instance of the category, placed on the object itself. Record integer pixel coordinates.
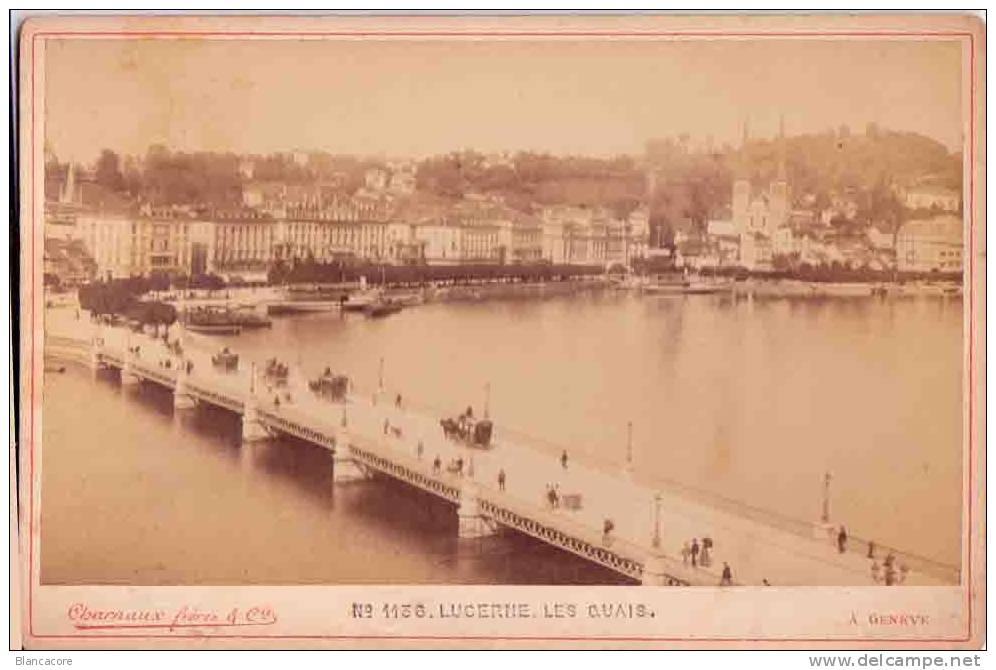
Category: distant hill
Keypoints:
(840, 161)
(685, 186)
(532, 178)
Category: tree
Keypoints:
(108, 171)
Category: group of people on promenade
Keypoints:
(890, 572)
(697, 554)
(700, 555)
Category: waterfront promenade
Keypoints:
(754, 551)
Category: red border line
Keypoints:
(34, 347)
(971, 327)
(563, 34)
(596, 638)
(525, 33)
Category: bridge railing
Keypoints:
(803, 528)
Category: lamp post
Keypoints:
(825, 517)
(380, 375)
(629, 448)
(657, 520)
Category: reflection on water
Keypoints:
(752, 400)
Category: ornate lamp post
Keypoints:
(825, 516)
(629, 448)
(657, 520)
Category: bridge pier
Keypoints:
(344, 467)
(471, 523)
(181, 397)
(128, 378)
(252, 428)
(93, 358)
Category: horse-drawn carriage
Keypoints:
(276, 372)
(225, 360)
(474, 433)
(330, 385)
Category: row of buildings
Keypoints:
(287, 225)
(387, 220)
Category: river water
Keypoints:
(745, 400)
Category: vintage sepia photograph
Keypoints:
(429, 309)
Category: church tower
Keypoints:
(780, 206)
(741, 187)
(68, 194)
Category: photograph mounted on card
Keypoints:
(573, 331)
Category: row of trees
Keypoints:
(834, 271)
(528, 178)
(121, 297)
(312, 272)
(170, 177)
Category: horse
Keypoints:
(450, 427)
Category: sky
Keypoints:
(416, 98)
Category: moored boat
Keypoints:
(841, 289)
(685, 286)
(382, 307)
(214, 328)
(217, 319)
(359, 301)
(301, 306)
(702, 287)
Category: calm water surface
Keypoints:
(749, 400)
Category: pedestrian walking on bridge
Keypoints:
(727, 579)
(501, 480)
(842, 540)
(695, 552)
(563, 459)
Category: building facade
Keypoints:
(761, 218)
(593, 236)
(927, 197)
(931, 245)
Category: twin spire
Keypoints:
(743, 167)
